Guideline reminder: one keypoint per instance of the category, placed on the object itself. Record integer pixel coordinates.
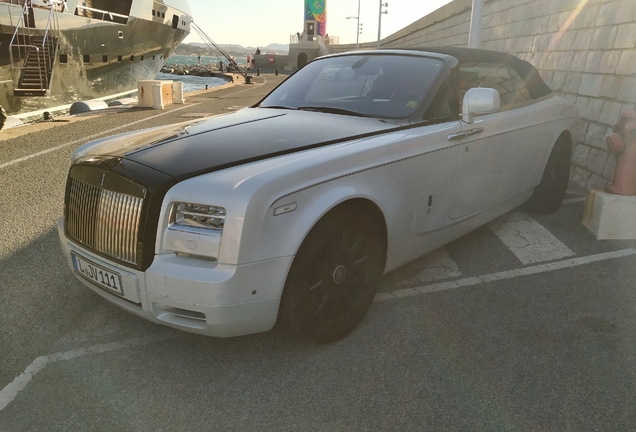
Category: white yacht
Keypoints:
(60, 51)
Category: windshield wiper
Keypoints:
(279, 107)
(332, 110)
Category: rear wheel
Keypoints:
(333, 278)
(548, 195)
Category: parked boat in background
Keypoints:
(55, 52)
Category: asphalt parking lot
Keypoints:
(527, 323)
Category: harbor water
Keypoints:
(193, 83)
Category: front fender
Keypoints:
(278, 236)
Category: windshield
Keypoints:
(386, 86)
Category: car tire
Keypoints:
(548, 195)
(333, 278)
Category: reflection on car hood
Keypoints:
(193, 148)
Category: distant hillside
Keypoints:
(194, 47)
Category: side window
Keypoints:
(444, 105)
(501, 77)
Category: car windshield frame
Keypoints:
(376, 85)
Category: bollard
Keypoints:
(206, 86)
(258, 72)
(623, 144)
(177, 92)
(157, 100)
(276, 72)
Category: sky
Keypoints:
(261, 22)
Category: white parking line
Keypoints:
(99, 134)
(88, 138)
(528, 239)
(433, 266)
(10, 392)
(573, 200)
(509, 274)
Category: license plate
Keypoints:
(97, 274)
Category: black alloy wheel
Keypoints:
(333, 278)
(549, 194)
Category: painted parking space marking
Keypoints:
(508, 274)
(434, 266)
(528, 239)
(573, 200)
(89, 138)
(118, 128)
(11, 391)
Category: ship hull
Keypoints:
(94, 58)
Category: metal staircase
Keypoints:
(33, 52)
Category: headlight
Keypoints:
(200, 218)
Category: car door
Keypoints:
(497, 151)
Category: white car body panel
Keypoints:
(429, 188)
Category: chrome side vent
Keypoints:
(103, 220)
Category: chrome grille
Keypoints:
(105, 221)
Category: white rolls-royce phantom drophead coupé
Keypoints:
(294, 208)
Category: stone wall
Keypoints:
(584, 49)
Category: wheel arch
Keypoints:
(356, 204)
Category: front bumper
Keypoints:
(193, 295)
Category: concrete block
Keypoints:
(581, 176)
(583, 127)
(626, 12)
(581, 103)
(87, 106)
(597, 182)
(146, 95)
(562, 41)
(602, 62)
(591, 84)
(627, 90)
(609, 216)
(572, 84)
(610, 87)
(607, 14)
(581, 154)
(604, 38)
(611, 112)
(586, 18)
(579, 61)
(566, 61)
(553, 24)
(570, 98)
(568, 5)
(596, 161)
(626, 36)
(541, 42)
(593, 109)
(627, 63)
(554, 58)
(583, 39)
(595, 136)
(558, 80)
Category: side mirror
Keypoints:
(479, 101)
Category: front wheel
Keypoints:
(548, 195)
(333, 278)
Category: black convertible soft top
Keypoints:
(528, 73)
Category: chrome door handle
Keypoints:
(455, 136)
(474, 131)
(464, 134)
